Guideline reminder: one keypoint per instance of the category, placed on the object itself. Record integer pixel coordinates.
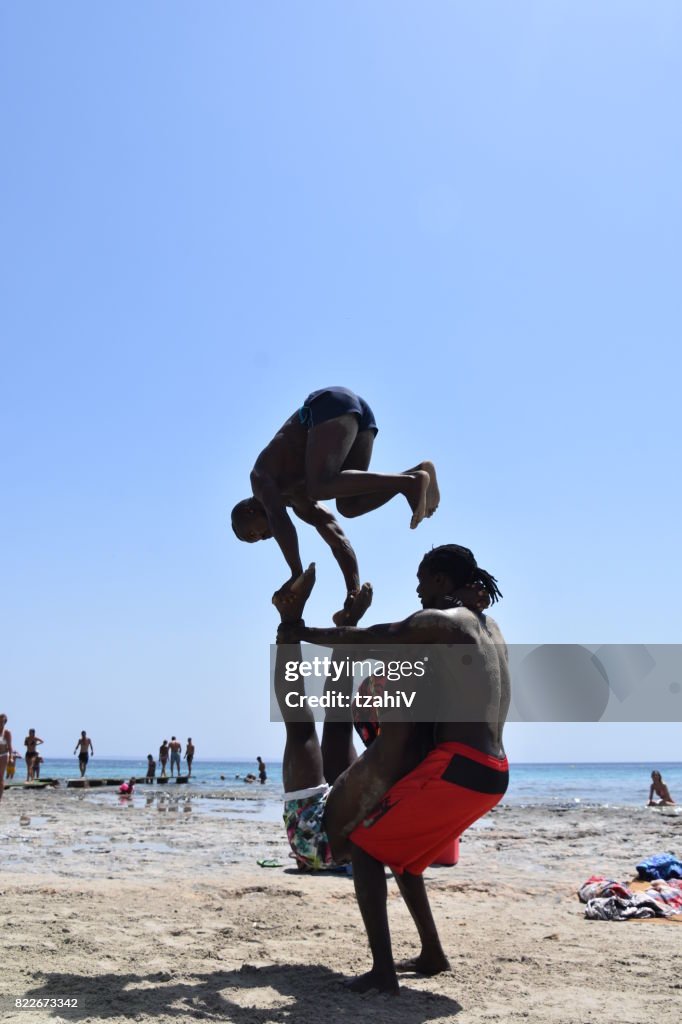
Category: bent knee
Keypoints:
(349, 508)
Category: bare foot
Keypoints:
(433, 492)
(417, 496)
(374, 981)
(426, 965)
(290, 599)
(355, 607)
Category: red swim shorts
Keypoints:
(445, 794)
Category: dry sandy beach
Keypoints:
(158, 912)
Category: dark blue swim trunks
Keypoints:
(329, 403)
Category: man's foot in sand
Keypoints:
(426, 964)
(291, 599)
(433, 491)
(416, 492)
(355, 607)
(375, 981)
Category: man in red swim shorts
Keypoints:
(421, 784)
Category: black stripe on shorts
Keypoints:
(481, 778)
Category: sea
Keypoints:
(623, 784)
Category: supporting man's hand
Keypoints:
(290, 632)
(283, 595)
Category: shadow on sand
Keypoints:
(251, 995)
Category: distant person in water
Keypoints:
(163, 758)
(322, 452)
(659, 788)
(175, 746)
(189, 755)
(151, 768)
(262, 770)
(85, 748)
(32, 742)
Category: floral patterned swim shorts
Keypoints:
(303, 820)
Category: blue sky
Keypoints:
(469, 213)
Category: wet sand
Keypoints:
(156, 911)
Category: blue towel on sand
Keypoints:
(661, 865)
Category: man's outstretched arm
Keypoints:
(329, 530)
(423, 627)
(283, 529)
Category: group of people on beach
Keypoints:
(85, 749)
(9, 756)
(420, 783)
(171, 751)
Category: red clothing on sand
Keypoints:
(446, 793)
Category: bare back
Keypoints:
(473, 682)
(283, 460)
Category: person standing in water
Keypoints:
(32, 742)
(189, 755)
(163, 758)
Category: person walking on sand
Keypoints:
(659, 787)
(322, 452)
(262, 770)
(189, 756)
(175, 747)
(85, 748)
(32, 742)
(163, 758)
(6, 751)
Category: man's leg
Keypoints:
(338, 749)
(350, 508)
(432, 959)
(370, 889)
(302, 760)
(328, 447)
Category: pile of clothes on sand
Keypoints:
(608, 900)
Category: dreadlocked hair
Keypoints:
(459, 564)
